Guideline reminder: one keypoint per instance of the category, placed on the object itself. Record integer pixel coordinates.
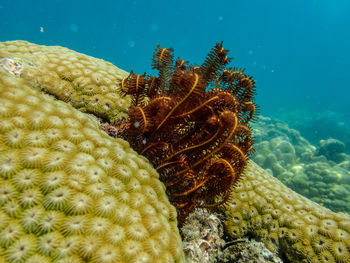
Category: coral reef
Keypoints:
(11, 66)
(89, 84)
(247, 251)
(307, 169)
(299, 229)
(192, 123)
(202, 235)
(205, 241)
(71, 193)
(316, 126)
(260, 207)
(332, 149)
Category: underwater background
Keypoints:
(297, 51)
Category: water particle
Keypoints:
(73, 27)
(131, 43)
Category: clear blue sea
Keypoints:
(298, 51)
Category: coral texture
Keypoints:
(303, 167)
(261, 206)
(332, 149)
(71, 193)
(300, 229)
(202, 235)
(246, 250)
(192, 123)
(89, 84)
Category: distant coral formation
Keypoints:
(333, 150)
(320, 172)
(319, 125)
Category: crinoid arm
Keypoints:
(192, 123)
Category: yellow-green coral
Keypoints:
(89, 84)
(70, 193)
(264, 208)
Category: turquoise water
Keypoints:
(298, 51)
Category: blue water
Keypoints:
(298, 51)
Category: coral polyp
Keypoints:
(192, 123)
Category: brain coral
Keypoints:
(89, 84)
(264, 208)
(70, 193)
(61, 178)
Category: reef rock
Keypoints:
(332, 149)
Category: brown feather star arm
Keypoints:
(192, 123)
(163, 62)
(214, 63)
